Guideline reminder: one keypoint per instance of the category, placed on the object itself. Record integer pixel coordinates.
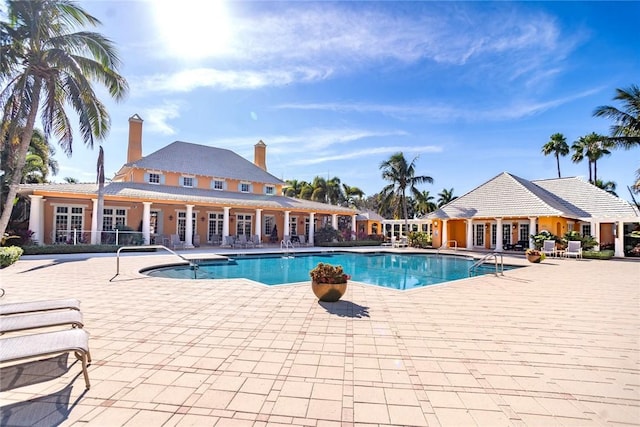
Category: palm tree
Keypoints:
(402, 177)
(445, 196)
(626, 130)
(293, 187)
(558, 146)
(70, 180)
(609, 186)
(334, 191)
(424, 203)
(350, 194)
(46, 62)
(593, 147)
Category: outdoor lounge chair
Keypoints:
(574, 248)
(48, 344)
(175, 242)
(35, 320)
(45, 305)
(549, 247)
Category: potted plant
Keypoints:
(328, 282)
(534, 255)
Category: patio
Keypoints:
(555, 343)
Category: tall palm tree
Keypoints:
(626, 130)
(350, 195)
(425, 203)
(609, 186)
(334, 191)
(445, 196)
(557, 146)
(402, 177)
(47, 63)
(592, 147)
(293, 187)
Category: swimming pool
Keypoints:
(390, 270)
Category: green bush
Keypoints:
(419, 239)
(73, 249)
(598, 254)
(327, 234)
(9, 255)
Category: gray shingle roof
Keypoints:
(160, 193)
(195, 159)
(507, 195)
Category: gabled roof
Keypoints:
(164, 193)
(195, 159)
(369, 216)
(507, 196)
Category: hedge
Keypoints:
(607, 254)
(9, 255)
(76, 249)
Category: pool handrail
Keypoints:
(446, 246)
(191, 263)
(482, 260)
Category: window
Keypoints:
(524, 232)
(217, 184)
(479, 237)
(269, 222)
(270, 190)
(293, 226)
(506, 234)
(216, 221)
(154, 178)
(182, 224)
(494, 237)
(244, 187)
(586, 229)
(67, 221)
(243, 225)
(113, 218)
(187, 181)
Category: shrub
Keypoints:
(419, 239)
(538, 239)
(588, 242)
(327, 273)
(9, 255)
(606, 254)
(327, 234)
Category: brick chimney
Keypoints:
(260, 155)
(134, 150)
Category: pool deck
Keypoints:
(553, 344)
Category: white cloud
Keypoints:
(369, 152)
(157, 118)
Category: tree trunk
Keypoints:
(21, 157)
(558, 163)
(595, 171)
(100, 205)
(406, 213)
(590, 175)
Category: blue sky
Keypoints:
(335, 88)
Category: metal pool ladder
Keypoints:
(478, 263)
(194, 266)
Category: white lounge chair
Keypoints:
(574, 248)
(549, 248)
(47, 344)
(175, 242)
(302, 239)
(44, 319)
(44, 305)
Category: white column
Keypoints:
(595, 232)
(445, 235)
(499, 236)
(225, 224)
(353, 227)
(188, 230)
(36, 220)
(146, 222)
(469, 234)
(334, 221)
(95, 237)
(532, 230)
(258, 229)
(312, 226)
(287, 224)
(619, 240)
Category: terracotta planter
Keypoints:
(328, 292)
(534, 258)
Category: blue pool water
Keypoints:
(397, 271)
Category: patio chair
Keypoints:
(44, 305)
(196, 240)
(256, 241)
(36, 320)
(302, 239)
(574, 248)
(175, 242)
(23, 347)
(549, 248)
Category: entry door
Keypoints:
(479, 235)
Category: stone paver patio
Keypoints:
(554, 344)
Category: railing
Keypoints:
(494, 255)
(286, 244)
(446, 246)
(111, 237)
(193, 265)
